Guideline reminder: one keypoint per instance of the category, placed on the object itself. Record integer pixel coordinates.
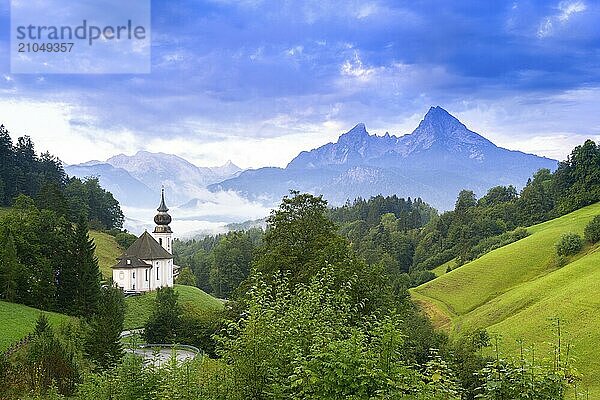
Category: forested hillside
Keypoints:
(43, 179)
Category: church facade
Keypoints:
(148, 263)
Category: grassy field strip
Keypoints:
(17, 321)
(107, 251)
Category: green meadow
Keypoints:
(192, 299)
(518, 291)
(17, 321)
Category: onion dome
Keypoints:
(162, 219)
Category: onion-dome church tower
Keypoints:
(162, 232)
(148, 263)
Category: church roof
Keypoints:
(132, 262)
(146, 248)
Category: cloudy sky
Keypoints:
(257, 81)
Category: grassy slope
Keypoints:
(107, 251)
(18, 320)
(441, 270)
(515, 291)
(191, 298)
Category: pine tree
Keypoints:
(164, 324)
(9, 266)
(88, 293)
(68, 272)
(103, 344)
(42, 325)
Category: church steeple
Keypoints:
(162, 219)
(162, 207)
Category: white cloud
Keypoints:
(63, 130)
(367, 10)
(569, 8)
(566, 9)
(355, 68)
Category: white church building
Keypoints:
(148, 263)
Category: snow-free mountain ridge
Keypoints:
(135, 180)
(438, 159)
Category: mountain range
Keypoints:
(136, 180)
(437, 160)
(434, 162)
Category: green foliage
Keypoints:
(103, 342)
(299, 239)
(575, 182)
(231, 259)
(9, 266)
(199, 329)
(408, 214)
(220, 262)
(23, 172)
(592, 230)
(527, 377)
(46, 362)
(164, 325)
(297, 340)
(125, 239)
(88, 280)
(186, 277)
(570, 243)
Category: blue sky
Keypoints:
(258, 81)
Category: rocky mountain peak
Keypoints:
(355, 134)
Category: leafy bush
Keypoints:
(592, 230)
(437, 260)
(125, 239)
(495, 242)
(421, 277)
(570, 243)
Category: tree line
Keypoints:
(42, 178)
(408, 238)
(46, 262)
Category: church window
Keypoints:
(121, 275)
(146, 275)
(157, 276)
(160, 241)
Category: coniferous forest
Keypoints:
(43, 179)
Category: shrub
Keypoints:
(570, 243)
(421, 277)
(125, 239)
(492, 243)
(592, 230)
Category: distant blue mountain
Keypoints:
(437, 160)
(125, 188)
(136, 180)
